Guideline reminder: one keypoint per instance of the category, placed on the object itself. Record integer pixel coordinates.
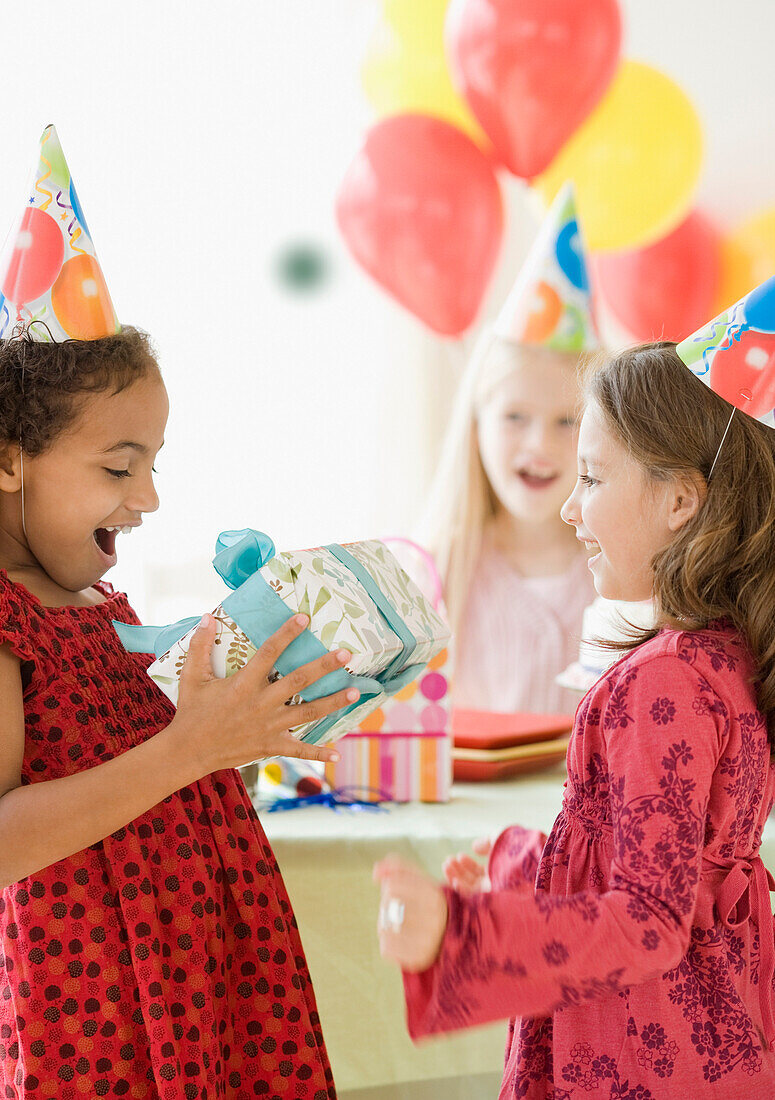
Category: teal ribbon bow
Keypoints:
(259, 611)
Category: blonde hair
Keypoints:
(461, 501)
(721, 563)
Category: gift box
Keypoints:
(423, 706)
(399, 767)
(402, 750)
(357, 598)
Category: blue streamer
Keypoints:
(336, 799)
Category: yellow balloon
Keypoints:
(635, 161)
(419, 23)
(406, 69)
(747, 258)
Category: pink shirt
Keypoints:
(517, 633)
(633, 948)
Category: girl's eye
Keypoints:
(588, 481)
(118, 473)
(515, 417)
(567, 422)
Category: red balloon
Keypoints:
(36, 257)
(420, 209)
(532, 70)
(668, 290)
(744, 373)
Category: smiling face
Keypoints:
(527, 435)
(621, 514)
(95, 478)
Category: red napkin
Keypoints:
(489, 729)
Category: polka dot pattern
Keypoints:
(163, 963)
(421, 706)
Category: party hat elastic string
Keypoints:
(22, 339)
(721, 444)
(23, 335)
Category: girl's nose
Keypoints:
(144, 497)
(537, 436)
(569, 512)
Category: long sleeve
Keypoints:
(511, 952)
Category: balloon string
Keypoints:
(721, 444)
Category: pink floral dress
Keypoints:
(633, 948)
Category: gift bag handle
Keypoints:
(437, 597)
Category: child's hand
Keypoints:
(226, 723)
(465, 874)
(413, 914)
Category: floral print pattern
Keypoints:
(608, 942)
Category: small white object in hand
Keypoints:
(391, 915)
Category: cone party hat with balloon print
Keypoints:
(48, 268)
(734, 354)
(550, 303)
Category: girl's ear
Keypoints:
(10, 468)
(685, 500)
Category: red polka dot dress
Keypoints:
(164, 962)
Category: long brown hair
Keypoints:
(722, 563)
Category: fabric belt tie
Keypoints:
(745, 893)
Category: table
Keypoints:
(326, 859)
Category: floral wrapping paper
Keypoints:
(342, 615)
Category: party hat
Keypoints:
(48, 268)
(734, 354)
(550, 304)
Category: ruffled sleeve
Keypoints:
(15, 626)
(514, 859)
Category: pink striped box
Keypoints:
(401, 767)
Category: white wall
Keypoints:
(205, 136)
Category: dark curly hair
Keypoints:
(40, 383)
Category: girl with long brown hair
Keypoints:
(633, 948)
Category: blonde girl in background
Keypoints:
(515, 579)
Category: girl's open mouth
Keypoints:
(105, 539)
(536, 481)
